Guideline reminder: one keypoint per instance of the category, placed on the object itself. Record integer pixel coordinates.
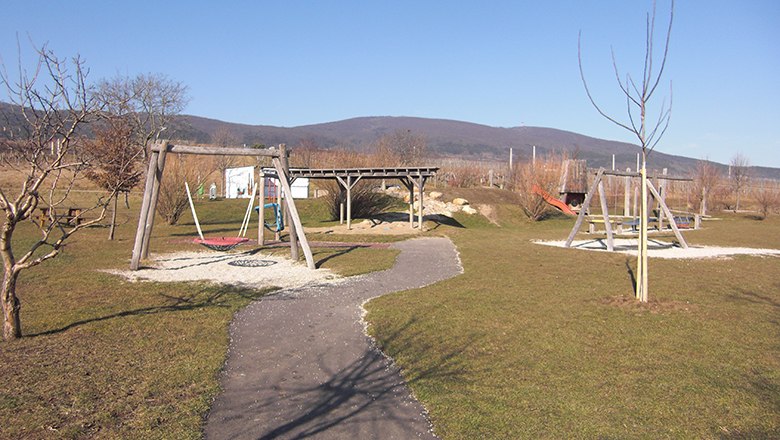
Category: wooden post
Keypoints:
(155, 195)
(490, 178)
(672, 223)
(627, 196)
(584, 207)
(696, 221)
(341, 212)
(285, 161)
(661, 200)
(296, 220)
(135, 261)
(261, 211)
(278, 234)
(349, 202)
(605, 216)
(636, 201)
(703, 210)
(420, 187)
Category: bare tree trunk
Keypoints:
(113, 219)
(12, 327)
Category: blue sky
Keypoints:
(290, 63)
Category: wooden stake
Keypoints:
(261, 212)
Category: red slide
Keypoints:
(558, 203)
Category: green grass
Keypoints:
(540, 342)
(531, 341)
(106, 358)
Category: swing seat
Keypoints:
(222, 243)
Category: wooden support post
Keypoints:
(296, 219)
(662, 199)
(153, 204)
(703, 210)
(696, 221)
(626, 196)
(410, 187)
(605, 216)
(420, 186)
(490, 178)
(261, 211)
(341, 212)
(284, 159)
(636, 201)
(584, 208)
(672, 223)
(349, 202)
(278, 234)
(135, 261)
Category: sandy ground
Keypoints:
(662, 249)
(251, 268)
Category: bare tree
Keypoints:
(113, 161)
(706, 180)
(148, 101)
(638, 94)
(54, 102)
(401, 147)
(768, 198)
(739, 176)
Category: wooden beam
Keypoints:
(153, 204)
(584, 207)
(261, 213)
(296, 219)
(218, 151)
(294, 255)
(669, 214)
(605, 215)
(135, 261)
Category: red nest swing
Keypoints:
(221, 243)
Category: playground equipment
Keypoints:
(675, 222)
(221, 243)
(159, 151)
(278, 224)
(560, 204)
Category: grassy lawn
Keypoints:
(540, 342)
(106, 358)
(531, 341)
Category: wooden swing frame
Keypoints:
(159, 151)
(598, 186)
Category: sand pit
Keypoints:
(250, 269)
(663, 249)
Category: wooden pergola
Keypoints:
(159, 151)
(410, 177)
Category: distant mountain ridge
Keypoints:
(449, 138)
(446, 138)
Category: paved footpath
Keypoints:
(301, 366)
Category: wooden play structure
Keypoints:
(159, 151)
(614, 224)
(412, 178)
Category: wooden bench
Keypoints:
(72, 218)
(616, 223)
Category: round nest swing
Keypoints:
(221, 243)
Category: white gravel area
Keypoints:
(662, 249)
(245, 269)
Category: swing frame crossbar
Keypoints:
(159, 151)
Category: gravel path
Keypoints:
(301, 366)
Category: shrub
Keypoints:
(545, 174)
(367, 202)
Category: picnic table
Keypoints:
(73, 216)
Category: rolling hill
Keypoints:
(448, 138)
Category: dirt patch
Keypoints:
(653, 306)
(489, 212)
